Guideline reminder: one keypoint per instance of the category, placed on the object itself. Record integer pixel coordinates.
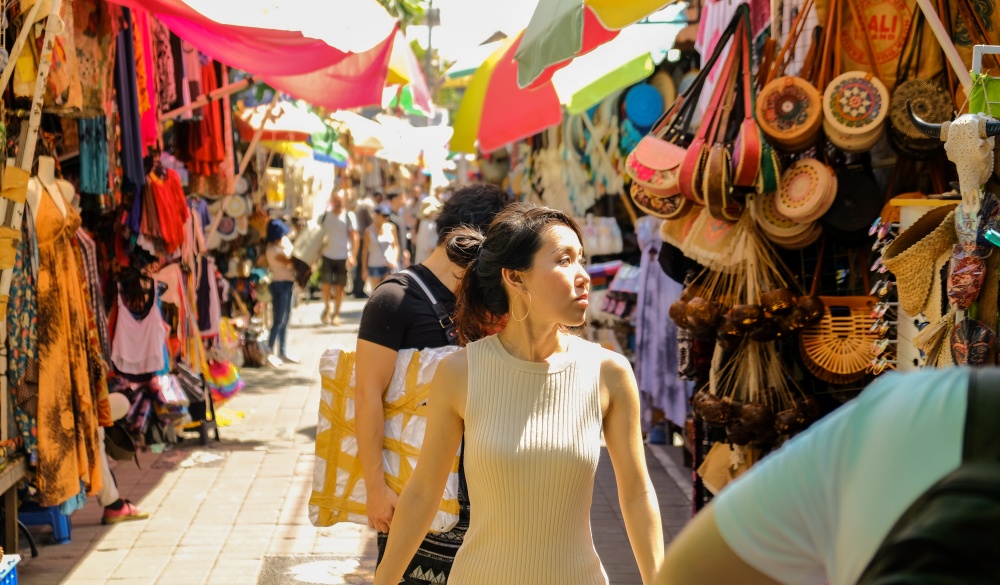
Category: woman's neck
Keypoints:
(532, 342)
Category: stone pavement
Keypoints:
(234, 513)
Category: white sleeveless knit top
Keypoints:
(532, 442)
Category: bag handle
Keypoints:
(829, 32)
(785, 57)
(684, 106)
(859, 22)
(748, 91)
(981, 440)
(709, 128)
(814, 287)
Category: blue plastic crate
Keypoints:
(8, 569)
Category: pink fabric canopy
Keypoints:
(304, 67)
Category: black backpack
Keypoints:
(951, 533)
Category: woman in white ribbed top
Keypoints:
(532, 403)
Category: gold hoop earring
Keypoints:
(527, 310)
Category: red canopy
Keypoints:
(290, 61)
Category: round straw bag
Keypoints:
(836, 349)
(806, 239)
(807, 191)
(789, 109)
(855, 107)
(772, 222)
(931, 103)
(929, 100)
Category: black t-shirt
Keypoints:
(399, 316)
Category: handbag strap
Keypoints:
(859, 22)
(748, 91)
(678, 117)
(814, 287)
(913, 43)
(708, 127)
(981, 440)
(791, 41)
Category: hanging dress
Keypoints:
(67, 414)
(657, 351)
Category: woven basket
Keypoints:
(835, 350)
(931, 103)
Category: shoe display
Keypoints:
(127, 513)
(290, 360)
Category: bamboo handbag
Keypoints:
(836, 349)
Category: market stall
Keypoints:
(818, 179)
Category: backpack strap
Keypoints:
(982, 431)
(450, 329)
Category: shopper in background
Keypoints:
(340, 230)
(364, 212)
(279, 262)
(380, 246)
(400, 316)
(397, 202)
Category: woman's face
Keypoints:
(379, 219)
(558, 281)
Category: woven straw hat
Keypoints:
(915, 254)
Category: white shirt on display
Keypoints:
(816, 510)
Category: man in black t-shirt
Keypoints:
(400, 316)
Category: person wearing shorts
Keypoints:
(341, 234)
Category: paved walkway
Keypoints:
(234, 513)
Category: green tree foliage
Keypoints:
(407, 11)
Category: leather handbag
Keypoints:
(748, 148)
(789, 109)
(693, 171)
(716, 180)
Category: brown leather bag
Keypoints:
(748, 148)
(692, 175)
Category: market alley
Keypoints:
(234, 513)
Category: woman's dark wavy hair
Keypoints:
(511, 242)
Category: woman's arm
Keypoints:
(392, 259)
(373, 372)
(636, 495)
(421, 497)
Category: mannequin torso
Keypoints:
(60, 191)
